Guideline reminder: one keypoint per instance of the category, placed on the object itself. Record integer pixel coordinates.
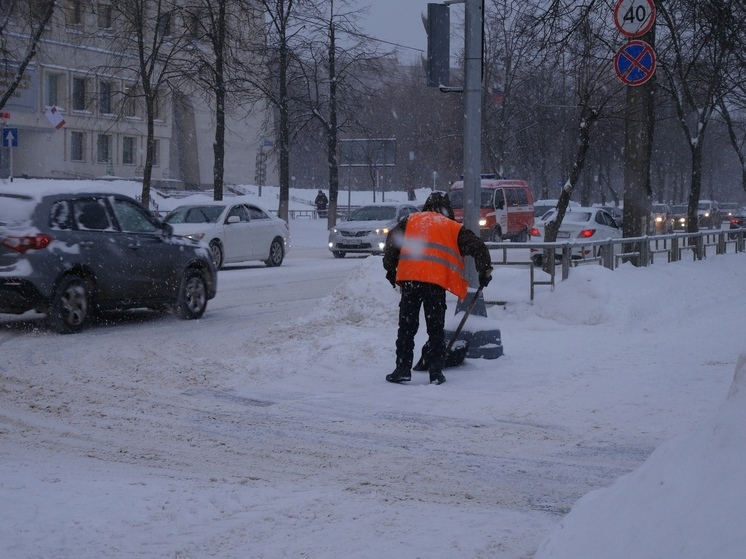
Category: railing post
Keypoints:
(566, 258)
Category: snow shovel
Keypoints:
(456, 349)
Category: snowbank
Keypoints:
(687, 501)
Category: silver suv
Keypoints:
(70, 255)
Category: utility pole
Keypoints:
(472, 122)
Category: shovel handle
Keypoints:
(463, 320)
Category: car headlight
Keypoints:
(334, 230)
(658, 219)
(707, 214)
(384, 231)
(196, 236)
(483, 222)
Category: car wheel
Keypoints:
(276, 254)
(338, 254)
(217, 253)
(70, 305)
(192, 300)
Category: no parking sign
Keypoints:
(635, 63)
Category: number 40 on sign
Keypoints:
(634, 18)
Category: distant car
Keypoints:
(738, 221)
(235, 231)
(661, 219)
(70, 255)
(728, 210)
(365, 230)
(580, 224)
(541, 207)
(679, 217)
(708, 215)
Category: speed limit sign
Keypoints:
(634, 18)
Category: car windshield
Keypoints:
(705, 206)
(659, 209)
(15, 209)
(373, 213)
(457, 198)
(195, 214)
(680, 209)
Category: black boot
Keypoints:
(400, 375)
(436, 377)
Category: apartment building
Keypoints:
(78, 114)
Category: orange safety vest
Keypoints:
(430, 253)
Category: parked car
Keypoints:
(708, 215)
(71, 255)
(661, 219)
(679, 217)
(580, 224)
(365, 230)
(235, 231)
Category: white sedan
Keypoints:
(236, 231)
(579, 224)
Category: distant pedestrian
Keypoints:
(424, 254)
(321, 201)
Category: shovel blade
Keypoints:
(456, 355)
(453, 358)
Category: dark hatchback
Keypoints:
(70, 255)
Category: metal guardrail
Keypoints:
(611, 253)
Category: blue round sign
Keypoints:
(635, 63)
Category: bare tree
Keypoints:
(340, 67)
(17, 49)
(283, 30)
(695, 52)
(221, 46)
(148, 47)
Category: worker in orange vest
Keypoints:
(424, 255)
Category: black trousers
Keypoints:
(414, 295)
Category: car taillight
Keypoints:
(535, 232)
(29, 242)
(586, 233)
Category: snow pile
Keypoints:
(687, 501)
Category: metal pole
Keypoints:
(472, 122)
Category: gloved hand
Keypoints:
(391, 276)
(485, 277)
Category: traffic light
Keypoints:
(438, 28)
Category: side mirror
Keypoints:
(168, 231)
(233, 219)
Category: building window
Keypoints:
(52, 85)
(130, 101)
(164, 25)
(104, 98)
(104, 16)
(128, 150)
(77, 146)
(79, 98)
(104, 148)
(74, 12)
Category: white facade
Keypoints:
(105, 128)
